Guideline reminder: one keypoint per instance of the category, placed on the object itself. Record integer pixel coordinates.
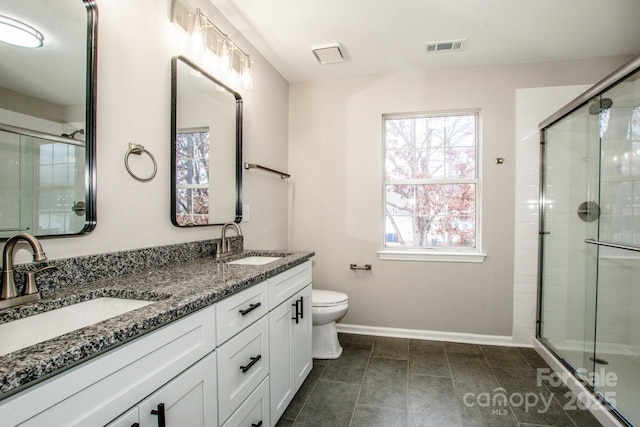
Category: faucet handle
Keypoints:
(30, 282)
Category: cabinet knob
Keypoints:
(253, 361)
(160, 413)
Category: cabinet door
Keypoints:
(290, 344)
(281, 327)
(187, 400)
(301, 340)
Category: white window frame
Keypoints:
(470, 255)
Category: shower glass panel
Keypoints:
(589, 301)
(44, 185)
(570, 188)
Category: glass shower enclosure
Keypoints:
(589, 301)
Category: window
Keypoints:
(431, 187)
(192, 176)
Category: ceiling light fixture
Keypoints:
(18, 33)
(329, 54)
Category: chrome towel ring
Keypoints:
(138, 150)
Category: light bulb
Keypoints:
(247, 75)
(224, 53)
(198, 32)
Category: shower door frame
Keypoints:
(586, 97)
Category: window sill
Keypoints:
(430, 256)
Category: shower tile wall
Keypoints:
(532, 106)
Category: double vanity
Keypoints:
(197, 343)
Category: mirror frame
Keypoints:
(90, 174)
(90, 170)
(174, 134)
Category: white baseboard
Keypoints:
(602, 414)
(428, 335)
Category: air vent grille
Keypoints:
(444, 46)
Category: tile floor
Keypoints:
(390, 382)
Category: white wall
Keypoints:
(135, 44)
(336, 197)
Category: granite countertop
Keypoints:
(178, 290)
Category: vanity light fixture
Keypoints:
(205, 36)
(18, 33)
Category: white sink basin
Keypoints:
(31, 330)
(255, 260)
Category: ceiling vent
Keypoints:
(443, 46)
(329, 53)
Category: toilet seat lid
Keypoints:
(323, 298)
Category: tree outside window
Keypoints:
(192, 176)
(431, 181)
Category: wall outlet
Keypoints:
(246, 213)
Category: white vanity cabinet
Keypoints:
(107, 386)
(238, 362)
(290, 336)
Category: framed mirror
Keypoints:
(206, 148)
(47, 120)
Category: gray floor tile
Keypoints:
(530, 401)
(371, 416)
(466, 365)
(284, 422)
(356, 339)
(432, 402)
(385, 383)
(454, 347)
(331, 404)
(428, 358)
(504, 357)
(491, 416)
(349, 367)
(303, 393)
(533, 358)
(518, 380)
(393, 348)
(573, 407)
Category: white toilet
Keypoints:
(326, 308)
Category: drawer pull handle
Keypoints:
(135, 425)
(297, 319)
(160, 413)
(253, 361)
(250, 309)
(258, 424)
(302, 307)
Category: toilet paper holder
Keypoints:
(360, 267)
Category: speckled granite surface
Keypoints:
(177, 289)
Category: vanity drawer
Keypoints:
(243, 362)
(254, 411)
(230, 320)
(285, 284)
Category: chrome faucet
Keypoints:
(224, 250)
(9, 294)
